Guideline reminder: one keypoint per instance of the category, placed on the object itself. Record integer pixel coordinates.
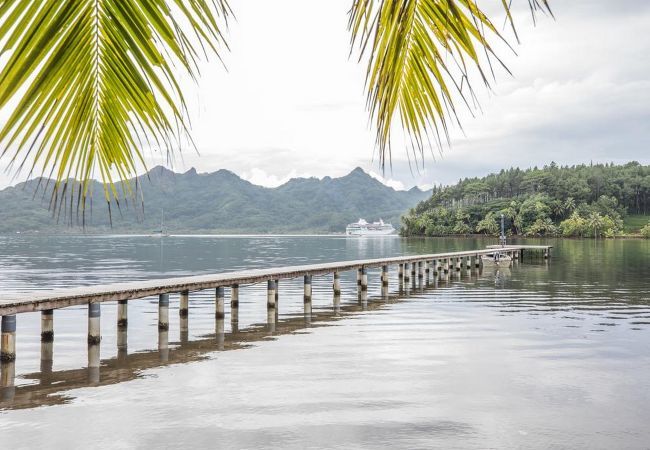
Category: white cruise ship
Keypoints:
(363, 228)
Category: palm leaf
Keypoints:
(421, 57)
(95, 81)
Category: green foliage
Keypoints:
(588, 201)
(645, 231)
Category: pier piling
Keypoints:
(337, 284)
(184, 304)
(122, 314)
(364, 279)
(307, 282)
(47, 325)
(94, 317)
(163, 312)
(219, 303)
(270, 295)
(384, 276)
(8, 339)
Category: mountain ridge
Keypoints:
(214, 202)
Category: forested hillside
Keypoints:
(218, 202)
(584, 200)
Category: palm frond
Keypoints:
(422, 55)
(92, 81)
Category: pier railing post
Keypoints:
(94, 322)
(47, 325)
(8, 339)
(163, 312)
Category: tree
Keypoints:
(96, 80)
(488, 225)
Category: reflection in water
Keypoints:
(437, 368)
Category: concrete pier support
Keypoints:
(336, 285)
(122, 314)
(458, 264)
(336, 303)
(364, 279)
(446, 268)
(163, 312)
(468, 262)
(47, 325)
(400, 272)
(94, 322)
(277, 293)
(413, 270)
(420, 270)
(384, 276)
(8, 339)
(359, 277)
(477, 261)
(184, 305)
(307, 289)
(219, 303)
(234, 307)
(407, 276)
(270, 296)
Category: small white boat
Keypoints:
(160, 233)
(496, 258)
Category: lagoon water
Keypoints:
(547, 354)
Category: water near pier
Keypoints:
(545, 354)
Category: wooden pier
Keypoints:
(409, 268)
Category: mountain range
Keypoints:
(217, 202)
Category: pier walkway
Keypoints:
(410, 266)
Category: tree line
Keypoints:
(581, 200)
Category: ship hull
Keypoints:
(367, 232)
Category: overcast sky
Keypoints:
(292, 102)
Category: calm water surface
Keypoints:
(543, 355)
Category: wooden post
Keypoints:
(413, 265)
(384, 276)
(8, 339)
(458, 264)
(420, 270)
(364, 279)
(468, 262)
(477, 261)
(47, 325)
(94, 316)
(446, 269)
(163, 312)
(406, 273)
(219, 303)
(359, 276)
(400, 272)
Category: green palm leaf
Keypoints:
(93, 81)
(421, 55)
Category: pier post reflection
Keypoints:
(47, 357)
(219, 329)
(93, 363)
(122, 343)
(163, 345)
(7, 376)
(337, 303)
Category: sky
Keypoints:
(291, 100)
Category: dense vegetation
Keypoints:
(219, 202)
(585, 200)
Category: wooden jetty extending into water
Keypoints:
(409, 268)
